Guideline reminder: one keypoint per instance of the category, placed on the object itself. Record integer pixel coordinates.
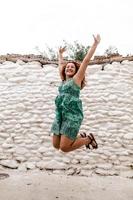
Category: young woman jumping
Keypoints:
(69, 111)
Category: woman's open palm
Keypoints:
(97, 38)
(62, 50)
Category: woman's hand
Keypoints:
(62, 50)
(97, 39)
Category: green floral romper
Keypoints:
(69, 112)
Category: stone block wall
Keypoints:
(27, 94)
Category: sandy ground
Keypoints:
(44, 186)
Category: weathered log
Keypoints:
(38, 58)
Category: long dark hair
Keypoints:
(77, 65)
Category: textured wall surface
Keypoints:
(27, 94)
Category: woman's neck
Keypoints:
(68, 77)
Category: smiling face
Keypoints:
(70, 70)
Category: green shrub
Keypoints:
(75, 51)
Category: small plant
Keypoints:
(111, 50)
(75, 51)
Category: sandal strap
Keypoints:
(83, 134)
(93, 140)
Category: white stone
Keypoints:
(116, 144)
(7, 146)
(20, 107)
(66, 160)
(21, 150)
(2, 80)
(113, 157)
(4, 135)
(9, 140)
(59, 172)
(17, 79)
(121, 168)
(55, 165)
(9, 163)
(42, 150)
(125, 62)
(71, 171)
(30, 165)
(123, 158)
(105, 166)
(75, 161)
(41, 164)
(112, 98)
(22, 167)
(116, 113)
(83, 162)
(129, 136)
(34, 159)
(20, 62)
(106, 172)
(86, 173)
(20, 158)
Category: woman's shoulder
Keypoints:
(77, 82)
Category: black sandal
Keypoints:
(83, 135)
(91, 137)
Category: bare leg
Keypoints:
(56, 141)
(67, 144)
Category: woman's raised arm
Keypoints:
(61, 61)
(81, 72)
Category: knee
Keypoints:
(56, 146)
(64, 148)
(56, 142)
